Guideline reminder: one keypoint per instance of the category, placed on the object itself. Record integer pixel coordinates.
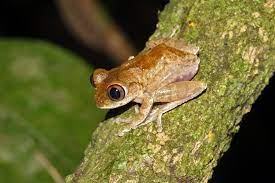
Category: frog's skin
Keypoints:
(161, 74)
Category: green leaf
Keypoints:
(46, 111)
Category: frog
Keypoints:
(158, 79)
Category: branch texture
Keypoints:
(237, 55)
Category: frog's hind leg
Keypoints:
(174, 95)
(175, 43)
(157, 116)
(158, 111)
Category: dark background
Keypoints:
(251, 156)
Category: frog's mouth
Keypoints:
(113, 104)
(105, 103)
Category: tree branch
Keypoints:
(237, 59)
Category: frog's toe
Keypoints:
(149, 119)
(154, 116)
(129, 127)
(122, 120)
(133, 126)
(136, 108)
(124, 131)
(159, 123)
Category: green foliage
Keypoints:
(46, 111)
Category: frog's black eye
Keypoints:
(116, 92)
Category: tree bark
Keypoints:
(237, 53)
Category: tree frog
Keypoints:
(160, 74)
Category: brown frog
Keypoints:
(160, 74)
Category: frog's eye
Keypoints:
(116, 92)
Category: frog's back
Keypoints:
(158, 55)
(158, 65)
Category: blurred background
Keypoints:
(68, 38)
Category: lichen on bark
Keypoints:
(237, 52)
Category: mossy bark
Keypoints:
(237, 44)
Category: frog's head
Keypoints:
(111, 92)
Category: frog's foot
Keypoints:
(122, 120)
(136, 108)
(135, 122)
(158, 111)
(130, 127)
(124, 131)
(155, 115)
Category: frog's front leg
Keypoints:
(173, 95)
(143, 112)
